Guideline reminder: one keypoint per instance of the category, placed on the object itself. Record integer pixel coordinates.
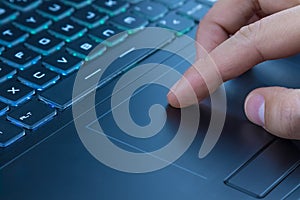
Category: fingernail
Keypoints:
(172, 96)
(255, 109)
(173, 88)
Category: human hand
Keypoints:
(238, 34)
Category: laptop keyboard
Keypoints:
(44, 43)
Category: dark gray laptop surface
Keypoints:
(51, 146)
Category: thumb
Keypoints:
(277, 109)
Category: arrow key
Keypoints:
(62, 63)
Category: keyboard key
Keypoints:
(38, 77)
(67, 30)
(32, 22)
(44, 43)
(111, 7)
(3, 108)
(129, 21)
(172, 3)
(128, 57)
(20, 57)
(78, 4)
(7, 14)
(150, 10)
(9, 133)
(108, 34)
(1, 49)
(11, 36)
(54, 10)
(22, 5)
(32, 114)
(14, 93)
(176, 23)
(62, 63)
(194, 10)
(89, 17)
(82, 48)
(6, 72)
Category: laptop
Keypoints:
(84, 115)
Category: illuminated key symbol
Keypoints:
(19, 55)
(108, 33)
(90, 15)
(67, 28)
(22, 118)
(176, 22)
(86, 46)
(39, 75)
(163, 22)
(62, 60)
(1, 132)
(13, 90)
(110, 3)
(149, 8)
(7, 32)
(129, 20)
(44, 41)
(54, 8)
(31, 19)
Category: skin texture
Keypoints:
(238, 39)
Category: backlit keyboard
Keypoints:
(44, 43)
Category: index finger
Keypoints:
(272, 37)
(227, 16)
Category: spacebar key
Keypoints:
(112, 63)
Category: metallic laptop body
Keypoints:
(58, 159)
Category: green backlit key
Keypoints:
(129, 21)
(7, 14)
(54, 10)
(150, 10)
(108, 34)
(67, 30)
(32, 22)
(83, 48)
(11, 36)
(176, 23)
(89, 17)
(44, 43)
(171, 3)
(111, 7)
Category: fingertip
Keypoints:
(255, 108)
(173, 101)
